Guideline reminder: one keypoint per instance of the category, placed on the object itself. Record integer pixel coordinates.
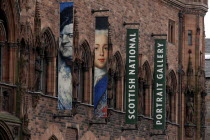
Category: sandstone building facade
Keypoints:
(29, 33)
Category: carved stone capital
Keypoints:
(15, 130)
(2, 43)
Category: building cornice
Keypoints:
(188, 7)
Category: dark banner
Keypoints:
(160, 84)
(100, 67)
(65, 56)
(131, 76)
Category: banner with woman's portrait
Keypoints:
(100, 67)
(65, 53)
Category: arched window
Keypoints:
(2, 39)
(171, 96)
(47, 62)
(144, 95)
(115, 96)
(4, 53)
(84, 74)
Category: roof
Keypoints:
(9, 117)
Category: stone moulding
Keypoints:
(182, 4)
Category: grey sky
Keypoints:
(207, 23)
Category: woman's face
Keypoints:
(101, 51)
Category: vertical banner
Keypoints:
(65, 56)
(100, 67)
(160, 84)
(131, 76)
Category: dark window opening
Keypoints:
(190, 37)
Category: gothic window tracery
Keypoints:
(144, 95)
(45, 63)
(171, 96)
(84, 72)
(2, 39)
(116, 79)
(4, 53)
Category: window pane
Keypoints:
(189, 37)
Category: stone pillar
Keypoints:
(12, 59)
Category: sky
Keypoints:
(207, 22)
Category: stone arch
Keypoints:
(147, 73)
(48, 42)
(7, 7)
(86, 54)
(85, 72)
(48, 52)
(145, 88)
(3, 58)
(4, 47)
(116, 73)
(27, 34)
(119, 62)
(172, 80)
(3, 33)
(53, 137)
(52, 130)
(5, 133)
(171, 97)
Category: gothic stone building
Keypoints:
(29, 33)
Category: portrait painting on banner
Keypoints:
(65, 54)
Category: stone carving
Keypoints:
(203, 113)
(189, 130)
(15, 130)
(23, 67)
(5, 102)
(26, 132)
(190, 111)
